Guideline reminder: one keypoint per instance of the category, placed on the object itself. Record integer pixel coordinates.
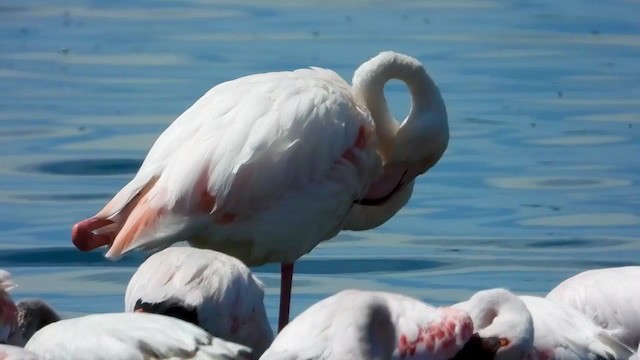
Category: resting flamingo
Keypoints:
(610, 297)
(210, 289)
(376, 325)
(267, 166)
(125, 336)
(534, 328)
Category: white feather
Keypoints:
(10, 352)
(610, 297)
(129, 336)
(568, 334)
(338, 327)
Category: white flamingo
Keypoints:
(373, 325)
(210, 289)
(127, 336)
(610, 297)
(266, 166)
(534, 328)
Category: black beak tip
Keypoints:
(491, 344)
(479, 348)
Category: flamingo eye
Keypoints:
(504, 342)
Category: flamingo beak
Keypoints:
(394, 178)
(479, 348)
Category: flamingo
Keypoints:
(267, 166)
(210, 289)
(11, 352)
(610, 297)
(375, 325)
(126, 336)
(534, 328)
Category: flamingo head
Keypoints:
(501, 315)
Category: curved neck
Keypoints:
(368, 89)
(499, 312)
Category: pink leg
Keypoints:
(286, 278)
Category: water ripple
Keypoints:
(584, 220)
(87, 167)
(64, 257)
(355, 266)
(45, 197)
(581, 140)
(555, 183)
(102, 59)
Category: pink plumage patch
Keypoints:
(142, 217)
(537, 354)
(361, 139)
(206, 201)
(441, 338)
(359, 144)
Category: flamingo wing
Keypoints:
(427, 332)
(609, 297)
(130, 336)
(564, 333)
(244, 146)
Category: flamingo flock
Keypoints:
(263, 169)
(189, 303)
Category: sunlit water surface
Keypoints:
(539, 182)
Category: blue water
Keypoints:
(540, 180)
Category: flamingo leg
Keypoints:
(286, 278)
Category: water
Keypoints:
(540, 180)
